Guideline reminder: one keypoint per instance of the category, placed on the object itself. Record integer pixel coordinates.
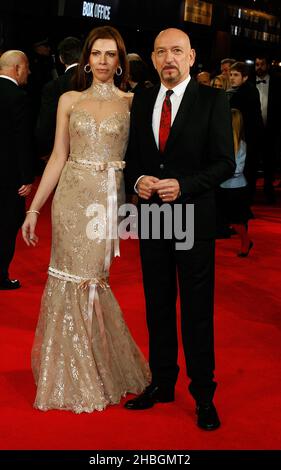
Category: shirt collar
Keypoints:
(70, 66)
(266, 78)
(9, 78)
(178, 89)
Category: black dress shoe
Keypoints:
(243, 254)
(151, 395)
(9, 284)
(207, 416)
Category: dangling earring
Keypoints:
(87, 68)
(119, 71)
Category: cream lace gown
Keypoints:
(83, 356)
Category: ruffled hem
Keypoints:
(82, 369)
(78, 409)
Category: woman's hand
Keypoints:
(28, 229)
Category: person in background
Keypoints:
(232, 196)
(204, 78)
(180, 149)
(225, 67)
(269, 88)
(69, 53)
(138, 74)
(43, 69)
(16, 156)
(220, 81)
(243, 95)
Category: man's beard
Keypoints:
(170, 78)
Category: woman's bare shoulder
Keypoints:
(70, 96)
(128, 96)
(68, 99)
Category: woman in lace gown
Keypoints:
(83, 356)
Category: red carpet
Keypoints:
(248, 351)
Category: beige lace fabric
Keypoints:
(84, 357)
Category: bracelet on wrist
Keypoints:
(33, 211)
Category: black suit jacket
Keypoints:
(46, 124)
(199, 151)
(15, 136)
(274, 105)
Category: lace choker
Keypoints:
(103, 90)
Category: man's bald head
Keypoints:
(172, 56)
(133, 57)
(171, 31)
(204, 78)
(14, 64)
(11, 58)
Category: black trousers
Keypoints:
(162, 264)
(13, 213)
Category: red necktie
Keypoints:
(165, 121)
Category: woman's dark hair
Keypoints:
(82, 79)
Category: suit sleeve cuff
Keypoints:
(136, 183)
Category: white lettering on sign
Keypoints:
(88, 9)
(96, 10)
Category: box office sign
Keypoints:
(96, 10)
(196, 11)
(101, 10)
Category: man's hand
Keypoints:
(168, 190)
(25, 190)
(145, 186)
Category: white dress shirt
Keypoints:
(176, 97)
(70, 66)
(263, 91)
(9, 78)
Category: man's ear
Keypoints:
(17, 68)
(192, 57)
(244, 78)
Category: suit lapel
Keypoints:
(184, 113)
(270, 96)
(148, 118)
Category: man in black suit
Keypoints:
(196, 158)
(16, 156)
(69, 53)
(269, 87)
